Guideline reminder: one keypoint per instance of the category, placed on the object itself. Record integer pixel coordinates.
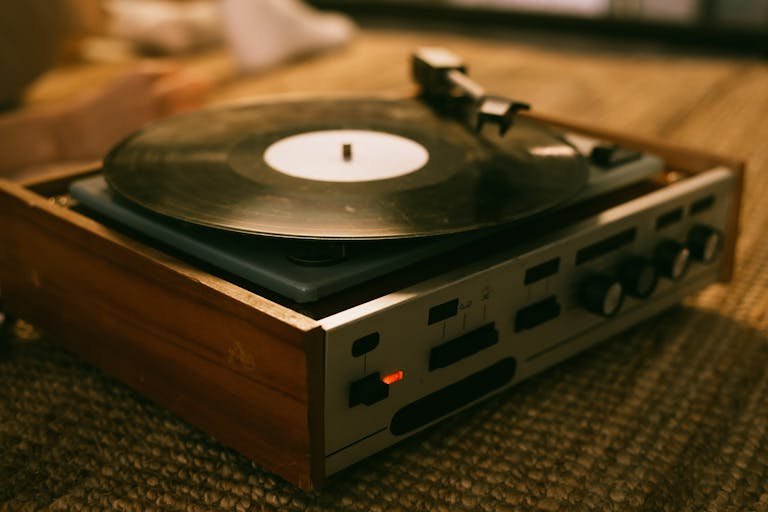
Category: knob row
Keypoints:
(638, 276)
(672, 258)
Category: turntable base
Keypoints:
(244, 368)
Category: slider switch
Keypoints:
(462, 347)
(537, 313)
(368, 390)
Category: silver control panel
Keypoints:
(399, 363)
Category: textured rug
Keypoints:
(670, 415)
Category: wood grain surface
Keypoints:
(215, 354)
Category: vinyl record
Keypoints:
(349, 169)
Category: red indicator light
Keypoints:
(392, 377)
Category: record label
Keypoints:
(346, 155)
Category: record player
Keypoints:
(313, 280)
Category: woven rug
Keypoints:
(671, 415)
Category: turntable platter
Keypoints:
(342, 170)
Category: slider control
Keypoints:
(462, 347)
(537, 313)
(368, 390)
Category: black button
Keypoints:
(365, 344)
(700, 205)
(464, 346)
(446, 400)
(542, 271)
(612, 155)
(669, 218)
(537, 313)
(368, 390)
(443, 311)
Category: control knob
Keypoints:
(638, 277)
(672, 259)
(704, 243)
(602, 294)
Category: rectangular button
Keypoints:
(669, 218)
(605, 246)
(542, 271)
(365, 344)
(368, 390)
(609, 156)
(537, 313)
(705, 203)
(464, 346)
(443, 311)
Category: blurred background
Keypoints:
(78, 75)
(738, 23)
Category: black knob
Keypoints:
(602, 295)
(704, 243)
(638, 277)
(671, 259)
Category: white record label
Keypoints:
(346, 155)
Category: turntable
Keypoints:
(311, 281)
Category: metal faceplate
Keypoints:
(493, 290)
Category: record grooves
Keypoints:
(209, 168)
